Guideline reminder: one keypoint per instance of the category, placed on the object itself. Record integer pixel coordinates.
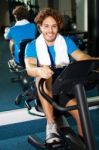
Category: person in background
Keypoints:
(52, 49)
(21, 30)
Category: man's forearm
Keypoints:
(33, 70)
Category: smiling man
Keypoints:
(52, 49)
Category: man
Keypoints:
(22, 29)
(51, 49)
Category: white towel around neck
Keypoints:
(60, 48)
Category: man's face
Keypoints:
(49, 29)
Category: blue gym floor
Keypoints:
(14, 135)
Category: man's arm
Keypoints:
(11, 47)
(6, 30)
(31, 66)
(35, 71)
(79, 55)
(11, 42)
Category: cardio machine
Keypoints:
(77, 76)
(27, 83)
(20, 72)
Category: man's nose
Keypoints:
(50, 28)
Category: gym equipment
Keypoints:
(76, 76)
(33, 8)
(27, 82)
(20, 72)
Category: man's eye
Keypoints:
(55, 26)
(46, 26)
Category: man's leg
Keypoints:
(47, 107)
(75, 115)
(51, 128)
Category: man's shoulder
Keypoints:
(31, 24)
(12, 28)
(32, 43)
(65, 37)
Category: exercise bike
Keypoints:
(20, 72)
(78, 80)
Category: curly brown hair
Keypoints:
(46, 12)
(20, 12)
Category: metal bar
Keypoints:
(85, 116)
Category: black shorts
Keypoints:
(66, 95)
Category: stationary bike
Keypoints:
(77, 76)
(20, 72)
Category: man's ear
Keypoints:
(39, 28)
